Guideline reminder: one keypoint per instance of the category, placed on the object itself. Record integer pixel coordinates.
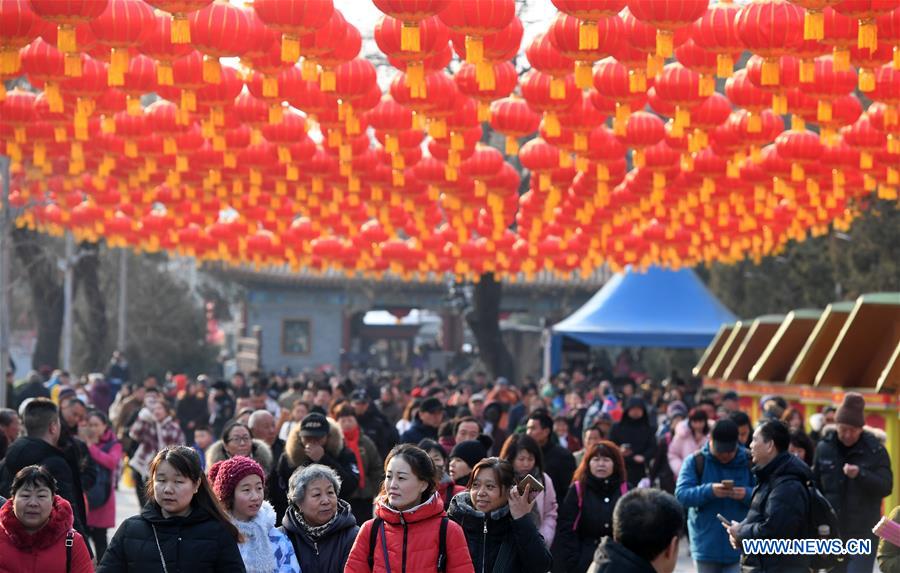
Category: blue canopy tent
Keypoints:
(659, 307)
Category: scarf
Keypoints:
(256, 551)
(314, 531)
(352, 439)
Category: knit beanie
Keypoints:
(472, 451)
(852, 411)
(227, 474)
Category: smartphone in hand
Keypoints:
(536, 486)
(725, 521)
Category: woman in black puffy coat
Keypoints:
(182, 524)
(496, 519)
(585, 516)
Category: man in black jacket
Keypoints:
(318, 440)
(373, 423)
(780, 505)
(559, 463)
(38, 447)
(853, 471)
(73, 413)
(647, 524)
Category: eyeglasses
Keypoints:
(240, 440)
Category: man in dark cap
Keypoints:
(318, 440)
(428, 420)
(373, 423)
(716, 480)
(853, 470)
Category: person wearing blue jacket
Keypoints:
(703, 488)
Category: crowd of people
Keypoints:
(376, 472)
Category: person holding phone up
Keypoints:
(495, 514)
(716, 481)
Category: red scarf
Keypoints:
(352, 439)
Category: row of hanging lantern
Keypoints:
(650, 147)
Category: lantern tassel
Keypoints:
(290, 48)
(133, 105)
(896, 58)
(512, 146)
(270, 86)
(72, 65)
(779, 104)
(474, 50)
(814, 25)
(409, 37)
(867, 37)
(557, 88)
(551, 123)
(164, 75)
(54, 99)
(807, 71)
(866, 79)
(841, 59)
(181, 29)
(823, 111)
(212, 71)
(638, 158)
(328, 81)
(118, 65)
(484, 111)
(65, 39)
(588, 36)
(484, 76)
(724, 65)
(415, 78)
(665, 43)
(188, 100)
(637, 80)
(770, 72)
(9, 61)
(584, 77)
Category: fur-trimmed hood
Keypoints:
(261, 453)
(296, 453)
(877, 433)
(59, 522)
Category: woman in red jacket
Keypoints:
(409, 518)
(34, 526)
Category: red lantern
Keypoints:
(565, 35)
(410, 13)
(431, 38)
(589, 14)
(680, 87)
(830, 84)
(45, 64)
(220, 31)
(770, 29)
(477, 19)
(505, 81)
(717, 32)
(120, 27)
(866, 11)
(667, 16)
(179, 9)
(294, 18)
(67, 15)
(157, 43)
(799, 147)
(513, 118)
(642, 130)
(18, 27)
(538, 90)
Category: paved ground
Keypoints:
(126, 506)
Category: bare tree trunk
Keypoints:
(92, 322)
(46, 295)
(484, 320)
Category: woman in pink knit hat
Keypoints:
(239, 483)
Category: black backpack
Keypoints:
(99, 492)
(378, 524)
(823, 524)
